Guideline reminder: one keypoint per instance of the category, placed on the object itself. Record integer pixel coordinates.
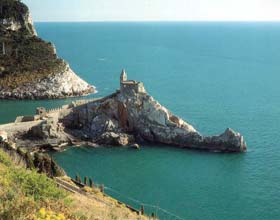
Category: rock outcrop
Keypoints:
(125, 118)
(132, 111)
(40, 161)
(60, 85)
(29, 66)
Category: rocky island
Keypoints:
(128, 117)
(29, 66)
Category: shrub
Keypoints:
(91, 184)
(49, 215)
(37, 185)
(23, 192)
(4, 158)
(85, 180)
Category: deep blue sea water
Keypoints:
(214, 75)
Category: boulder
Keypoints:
(230, 141)
(115, 139)
(47, 129)
(135, 146)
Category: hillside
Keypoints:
(29, 66)
(27, 195)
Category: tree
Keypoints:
(85, 180)
(78, 178)
(91, 182)
(101, 187)
(142, 211)
(3, 48)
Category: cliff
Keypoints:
(23, 158)
(127, 117)
(15, 16)
(29, 66)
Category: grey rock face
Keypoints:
(102, 123)
(133, 111)
(228, 141)
(60, 85)
(118, 139)
(157, 124)
(49, 131)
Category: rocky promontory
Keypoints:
(29, 66)
(128, 117)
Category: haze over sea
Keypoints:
(214, 75)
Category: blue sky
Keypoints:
(154, 10)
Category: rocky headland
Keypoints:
(128, 117)
(29, 66)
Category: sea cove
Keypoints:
(213, 75)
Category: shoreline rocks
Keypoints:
(60, 85)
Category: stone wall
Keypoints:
(130, 87)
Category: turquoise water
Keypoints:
(214, 75)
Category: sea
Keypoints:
(212, 74)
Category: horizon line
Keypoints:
(153, 21)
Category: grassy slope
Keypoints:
(27, 195)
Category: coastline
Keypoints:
(89, 195)
(58, 86)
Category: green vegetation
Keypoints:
(23, 57)
(27, 59)
(27, 195)
(5, 159)
(12, 9)
(24, 192)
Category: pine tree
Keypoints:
(142, 210)
(101, 187)
(85, 180)
(78, 178)
(91, 182)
